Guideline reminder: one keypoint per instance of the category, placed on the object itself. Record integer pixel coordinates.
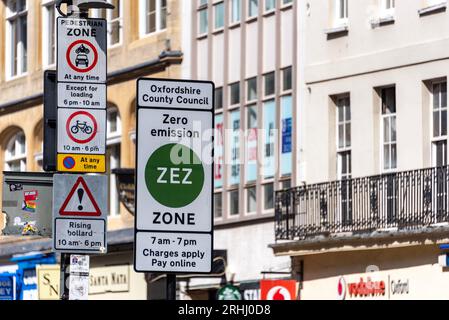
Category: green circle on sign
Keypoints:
(174, 175)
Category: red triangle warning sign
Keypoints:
(80, 202)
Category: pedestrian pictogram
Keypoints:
(82, 127)
(80, 202)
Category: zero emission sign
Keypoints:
(174, 207)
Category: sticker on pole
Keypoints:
(80, 209)
(81, 132)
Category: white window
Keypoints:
(389, 133)
(15, 156)
(115, 21)
(253, 8)
(435, 2)
(16, 38)
(153, 16)
(113, 157)
(388, 7)
(219, 15)
(49, 15)
(235, 11)
(439, 124)
(344, 138)
(341, 12)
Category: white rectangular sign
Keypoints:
(174, 188)
(175, 94)
(82, 50)
(157, 131)
(81, 131)
(171, 252)
(82, 96)
(80, 235)
(80, 207)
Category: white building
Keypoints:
(248, 48)
(373, 110)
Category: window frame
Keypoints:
(16, 157)
(382, 133)
(14, 71)
(143, 22)
(436, 140)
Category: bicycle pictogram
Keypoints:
(82, 127)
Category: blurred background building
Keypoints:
(373, 192)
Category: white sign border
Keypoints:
(211, 233)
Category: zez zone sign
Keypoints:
(174, 207)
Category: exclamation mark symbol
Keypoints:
(80, 197)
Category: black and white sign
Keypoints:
(80, 213)
(82, 50)
(82, 93)
(81, 131)
(174, 189)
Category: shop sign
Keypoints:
(109, 280)
(48, 282)
(7, 287)
(229, 293)
(400, 287)
(278, 289)
(361, 289)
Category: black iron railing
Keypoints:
(406, 200)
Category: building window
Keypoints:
(235, 11)
(251, 200)
(235, 93)
(344, 157)
(268, 196)
(16, 37)
(234, 172)
(285, 2)
(219, 15)
(251, 144)
(344, 138)
(389, 137)
(270, 5)
(203, 21)
(153, 16)
(219, 98)
(253, 8)
(287, 79)
(218, 205)
(388, 7)
(251, 86)
(439, 110)
(49, 33)
(341, 12)
(113, 157)
(115, 21)
(269, 81)
(234, 202)
(15, 156)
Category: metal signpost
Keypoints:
(81, 92)
(80, 201)
(174, 187)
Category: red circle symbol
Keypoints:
(92, 133)
(88, 67)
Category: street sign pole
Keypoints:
(79, 201)
(171, 287)
(174, 178)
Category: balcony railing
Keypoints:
(401, 201)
